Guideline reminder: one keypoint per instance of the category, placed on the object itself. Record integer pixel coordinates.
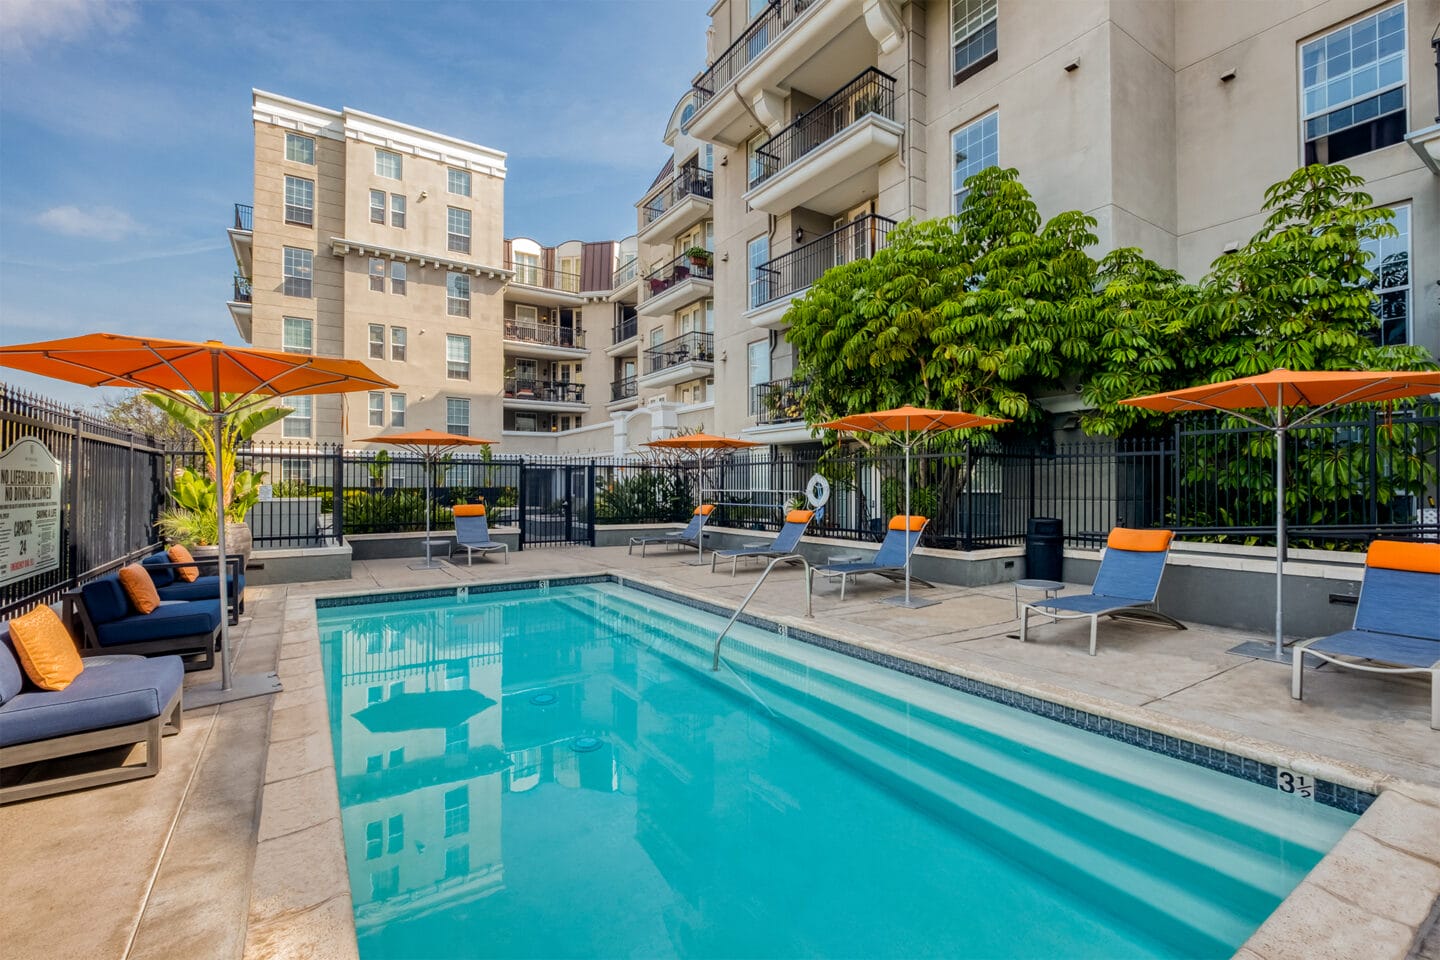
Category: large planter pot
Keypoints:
(238, 543)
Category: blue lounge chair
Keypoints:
(1125, 588)
(784, 544)
(685, 538)
(1397, 621)
(204, 587)
(108, 623)
(900, 541)
(472, 531)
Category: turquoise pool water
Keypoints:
(557, 773)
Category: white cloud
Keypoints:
(101, 223)
(26, 25)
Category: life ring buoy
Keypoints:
(817, 491)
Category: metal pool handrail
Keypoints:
(809, 607)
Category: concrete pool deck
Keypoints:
(194, 863)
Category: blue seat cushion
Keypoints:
(171, 619)
(105, 599)
(1384, 647)
(201, 588)
(863, 566)
(12, 677)
(155, 566)
(106, 695)
(1089, 603)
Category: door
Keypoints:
(556, 506)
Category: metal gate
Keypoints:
(556, 504)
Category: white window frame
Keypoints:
(457, 295)
(457, 230)
(388, 160)
(377, 206)
(757, 351)
(301, 344)
(452, 424)
(397, 409)
(376, 406)
(1325, 109)
(397, 211)
(974, 128)
(758, 286)
(300, 422)
(454, 175)
(377, 343)
(399, 338)
(299, 201)
(969, 21)
(300, 140)
(457, 356)
(1388, 246)
(377, 275)
(298, 270)
(399, 277)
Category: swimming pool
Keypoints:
(553, 771)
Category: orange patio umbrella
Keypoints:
(700, 444)
(912, 424)
(196, 375)
(431, 445)
(1283, 394)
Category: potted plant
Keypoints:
(191, 521)
(699, 256)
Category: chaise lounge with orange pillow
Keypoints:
(122, 612)
(179, 576)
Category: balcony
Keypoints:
(623, 336)
(241, 289)
(536, 339)
(777, 401)
(245, 217)
(686, 357)
(681, 202)
(524, 393)
(828, 159)
(624, 392)
(789, 275)
(240, 306)
(543, 285)
(242, 235)
(625, 275)
(680, 282)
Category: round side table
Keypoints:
(1050, 588)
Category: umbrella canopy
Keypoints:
(1283, 393)
(430, 444)
(198, 375)
(912, 423)
(432, 709)
(701, 444)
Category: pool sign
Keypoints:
(29, 510)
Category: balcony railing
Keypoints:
(797, 269)
(244, 216)
(690, 347)
(625, 329)
(680, 269)
(534, 275)
(871, 92)
(549, 391)
(546, 334)
(760, 34)
(627, 271)
(689, 182)
(624, 389)
(777, 401)
(242, 289)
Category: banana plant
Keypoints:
(245, 419)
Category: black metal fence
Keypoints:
(111, 487)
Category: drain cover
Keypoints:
(585, 744)
(543, 699)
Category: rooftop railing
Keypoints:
(549, 391)
(793, 271)
(624, 389)
(872, 92)
(761, 32)
(244, 216)
(689, 182)
(547, 334)
(682, 268)
(693, 347)
(242, 289)
(548, 278)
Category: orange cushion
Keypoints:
(46, 650)
(706, 509)
(179, 554)
(1141, 541)
(139, 588)
(916, 523)
(469, 510)
(1396, 555)
(799, 516)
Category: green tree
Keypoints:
(129, 410)
(242, 422)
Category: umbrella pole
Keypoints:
(217, 421)
(1279, 531)
(429, 481)
(907, 517)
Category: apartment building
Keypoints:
(817, 125)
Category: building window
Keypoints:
(377, 408)
(298, 423)
(459, 182)
(457, 226)
(755, 166)
(569, 271)
(457, 811)
(388, 165)
(397, 409)
(457, 356)
(1390, 264)
(396, 834)
(976, 146)
(457, 861)
(527, 269)
(377, 341)
(299, 272)
(374, 833)
(377, 206)
(384, 884)
(298, 335)
(397, 211)
(757, 361)
(300, 149)
(972, 36)
(757, 252)
(397, 344)
(377, 275)
(300, 201)
(457, 295)
(398, 274)
(295, 469)
(1353, 82)
(457, 416)
(457, 740)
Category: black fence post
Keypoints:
(590, 503)
(337, 492)
(520, 500)
(75, 470)
(1373, 498)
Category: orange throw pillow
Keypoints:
(139, 588)
(46, 651)
(178, 554)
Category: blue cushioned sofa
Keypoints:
(101, 615)
(206, 587)
(116, 700)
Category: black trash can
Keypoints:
(1044, 548)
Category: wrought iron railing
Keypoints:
(626, 272)
(244, 216)
(793, 271)
(626, 328)
(690, 347)
(548, 278)
(682, 268)
(624, 389)
(549, 391)
(777, 401)
(242, 289)
(548, 334)
(872, 92)
(761, 32)
(689, 182)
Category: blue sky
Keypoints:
(125, 135)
